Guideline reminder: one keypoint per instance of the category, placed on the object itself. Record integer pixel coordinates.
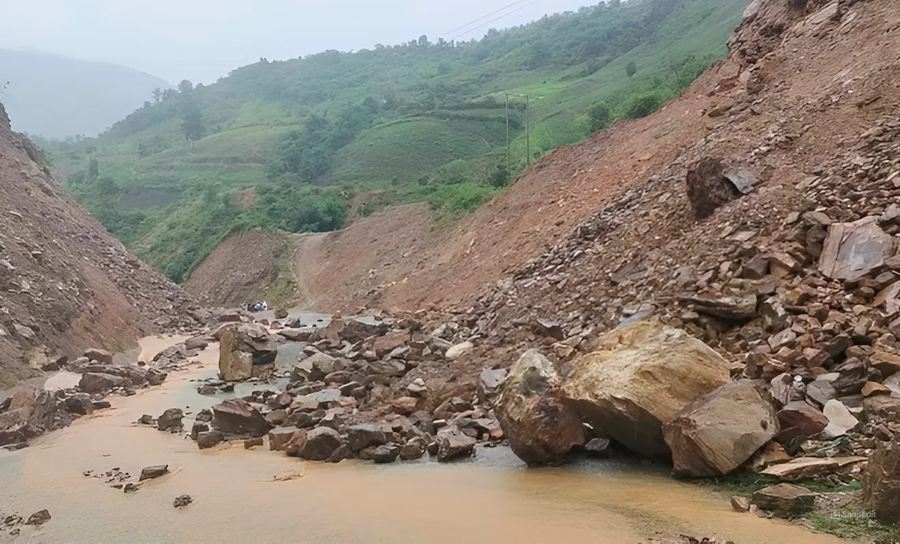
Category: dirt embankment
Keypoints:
(66, 284)
(399, 259)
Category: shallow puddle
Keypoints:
(257, 495)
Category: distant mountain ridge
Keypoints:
(55, 97)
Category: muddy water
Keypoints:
(251, 496)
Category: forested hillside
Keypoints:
(56, 97)
(289, 144)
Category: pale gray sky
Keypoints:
(202, 40)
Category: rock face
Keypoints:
(785, 500)
(540, 428)
(638, 379)
(235, 416)
(717, 433)
(881, 482)
(244, 347)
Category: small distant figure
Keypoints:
(256, 307)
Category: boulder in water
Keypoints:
(540, 428)
(638, 379)
(717, 433)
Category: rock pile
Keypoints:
(31, 412)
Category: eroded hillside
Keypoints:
(65, 283)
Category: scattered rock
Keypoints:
(454, 444)
(38, 518)
(182, 500)
(459, 350)
(99, 355)
(740, 504)
(840, 420)
(170, 420)
(321, 443)
(236, 416)
(360, 437)
(280, 436)
(210, 439)
(599, 447)
(385, 454)
(150, 473)
(799, 421)
(812, 467)
(100, 383)
(852, 250)
(785, 500)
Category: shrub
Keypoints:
(599, 116)
(643, 105)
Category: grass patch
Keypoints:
(747, 483)
(854, 524)
(283, 288)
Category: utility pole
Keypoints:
(527, 133)
(508, 156)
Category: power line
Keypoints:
(482, 18)
(495, 19)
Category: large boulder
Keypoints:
(852, 250)
(243, 347)
(540, 428)
(98, 382)
(639, 378)
(235, 416)
(718, 432)
(321, 443)
(881, 482)
(785, 500)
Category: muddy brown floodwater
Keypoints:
(255, 495)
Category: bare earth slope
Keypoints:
(797, 85)
(65, 283)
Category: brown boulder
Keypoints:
(99, 355)
(799, 421)
(540, 428)
(881, 482)
(296, 444)
(321, 443)
(852, 250)
(97, 382)
(389, 342)
(718, 432)
(243, 346)
(638, 379)
(279, 437)
(209, 439)
(236, 416)
(453, 444)
(785, 500)
(170, 420)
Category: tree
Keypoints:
(599, 116)
(157, 95)
(192, 122)
(186, 87)
(93, 168)
(423, 41)
(631, 69)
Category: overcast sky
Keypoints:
(202, 40)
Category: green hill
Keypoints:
(287, 144)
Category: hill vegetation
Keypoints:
(288, 144)
(59, 97)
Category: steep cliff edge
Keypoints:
(65, 283)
